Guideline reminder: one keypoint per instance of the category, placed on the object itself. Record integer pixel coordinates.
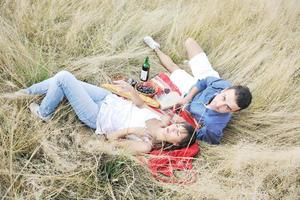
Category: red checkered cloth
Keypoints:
(166, 162)
(162, 81)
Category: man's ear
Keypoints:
(237, 110)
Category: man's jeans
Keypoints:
(84, 98)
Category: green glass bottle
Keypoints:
(145, 70)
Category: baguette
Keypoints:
(114, 89)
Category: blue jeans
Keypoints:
(84, 98)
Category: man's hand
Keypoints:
(180, 104)
(183, 102)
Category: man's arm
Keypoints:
(211, 133)
(190, 95)
(184, 101)
(198, 87)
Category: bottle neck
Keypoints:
(146, 63)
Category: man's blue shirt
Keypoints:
(212, 122)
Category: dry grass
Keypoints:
(256, 43)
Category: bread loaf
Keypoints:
(116, 90)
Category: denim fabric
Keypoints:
(84, 98)
(212, 122)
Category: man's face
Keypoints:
(225, 102)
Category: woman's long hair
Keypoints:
(187, 141)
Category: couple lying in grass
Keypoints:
(208, 98)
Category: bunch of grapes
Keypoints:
(146, 89)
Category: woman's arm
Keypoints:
(165, 120)
(125, 87)
(177, 119)
(137, 100)
(124, 132)
(134, 147)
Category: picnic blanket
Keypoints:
(166, 162)
(163, 82)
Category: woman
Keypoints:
(111, 115)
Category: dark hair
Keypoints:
(243, 96)
(187, 141)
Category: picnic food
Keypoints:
(167, 101)
(146, 88)
(114, 89)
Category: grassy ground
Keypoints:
(256, 43)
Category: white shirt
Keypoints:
(117, 113)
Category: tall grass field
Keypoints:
(249, 42)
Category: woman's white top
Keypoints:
(117, 113)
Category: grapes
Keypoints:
(167, 90)
(145, 89)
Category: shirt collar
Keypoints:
(209, 98)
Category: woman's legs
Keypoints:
(83, 97)
(42, 88)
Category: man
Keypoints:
(210, 99)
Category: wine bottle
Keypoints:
(145, 70)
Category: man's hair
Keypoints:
(243, 96)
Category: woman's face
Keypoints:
(175, 133)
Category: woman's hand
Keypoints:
(124, 86)
(152, 126)
(166, 120)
